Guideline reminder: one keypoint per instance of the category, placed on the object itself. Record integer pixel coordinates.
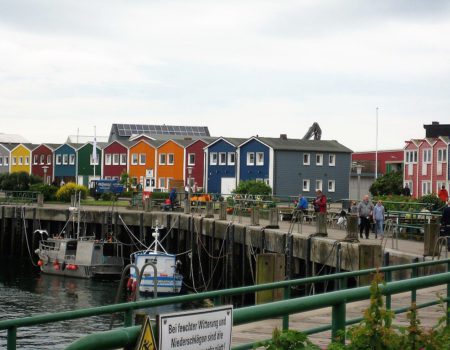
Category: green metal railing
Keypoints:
(18, 197)
(337, 300)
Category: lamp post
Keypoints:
(187, 206)
(45, 168)
(358, 172)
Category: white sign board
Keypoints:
(149, 173)
(205, 329)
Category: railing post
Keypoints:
(217, 301)
(287, 295)
(12, 338)
(448, 297)
(128, 319)
(338, 322)
(387, 278)
(414, 274)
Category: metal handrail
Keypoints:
(12, 325)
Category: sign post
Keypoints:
(205, 329)
(146, 338)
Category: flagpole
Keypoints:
(376, 146)
(94, 150)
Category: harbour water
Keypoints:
(25, 292)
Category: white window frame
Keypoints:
(6, 161)
(20, 160)
(411, 156)
(213, 158)
(426, 188)
(108, 159)
(331, 160)
(134, 159)
(267, 182)
(1, 161)
(170, 159)
(306, 158)
(250, 158)
(35, 159)
(427, 155)
(123, 159)
(319, 184)
(331, 185)
(162, 182)
(91, 159)
(58, 159)
(72, 159)
(222, 158)
(191, 159)
(49, 159)
(319, 159)
(259, 158)
(65, 159)
(116, 158)
(142, 158)
(42, 159)
(14, 160)
(27, 160)
(306, 185)
(442, 155)
(162, 158)
(231, 158)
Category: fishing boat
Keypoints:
(79, 256)
(169, 281)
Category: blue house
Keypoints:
(254, 161)
(221, 165)
(65, 163)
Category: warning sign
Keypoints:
(146, 339)
(206, 329)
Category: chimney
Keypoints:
(434, 123)
(283, 136)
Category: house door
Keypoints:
(227, 185)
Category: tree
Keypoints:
(253, 187)
(388, 184)
(18, 181)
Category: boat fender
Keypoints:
(129, 284)
(40, 263)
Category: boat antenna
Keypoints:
(156, 242)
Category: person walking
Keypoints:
(365, 212)
(443, 194)
(378, 216)
(172, 197)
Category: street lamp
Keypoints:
(45, 174)
(187, 207)
(358, 172)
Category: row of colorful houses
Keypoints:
(216, 165)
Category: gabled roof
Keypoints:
(9, 146)
(50, 146)
(100, 145)
(415, 142)
(231, 141)
(124, 143)
(305, 145)
(445, 139)
(430, 141)
(28, 146)
(12, 138)
(74, 146)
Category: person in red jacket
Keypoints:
(320, 203)
(443, 194)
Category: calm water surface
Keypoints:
(25, 292)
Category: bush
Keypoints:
(18, 181)
(388, 184)
(253, 187)
(65, 192)
(108, 196)
(49, 191)
(432, 201)
(160, 195)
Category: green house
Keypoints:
(85, 165)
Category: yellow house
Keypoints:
(20, 159)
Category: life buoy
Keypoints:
(133, 287)
(129, 284)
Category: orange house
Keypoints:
(170, 163)
(142, 161)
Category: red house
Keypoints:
(195, 160)
(388, 160)
(42, 162)
(115, 159)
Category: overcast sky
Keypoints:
(242, 68)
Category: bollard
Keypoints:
(431, 236)
(40, 200)
(321, 224)
(255, 216)
(273, 218)
(148, 204)
(222, 210)
(187, 206)
(209, 210)
(352, 228)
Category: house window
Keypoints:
(426, 187)
(319, 159)
(162, 182)
(123, 159)
(116, 159)
(306, 185)
(267, 182)
(442, 155)
(306, 158)
(439, 185)
(134, 158)
(331, 159)
(250, 158)
(58, 159)
(14, 160)
(108, 159)
(6, 160)
(91, 159)
(170, 159)
(162, 159)
(65, 159)
(1, 161)
(427, 155)
(331, 185)
(20, 161)
(213, 158)
(35, 159)
(191, 158)
(318, 185)
(222, 158)
(259, 158)
(231, 158)
(49, 158)
(142, 158)
(42, 158)
(411, 156)
(71, 159)
(27, 160)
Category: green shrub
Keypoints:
(388, 184)
(432, 201)
(160, 195)
(288, 340)
(18, 181)
(65, 192)
(108, 196)
(49, 191)
(253, 187)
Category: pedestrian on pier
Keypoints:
(378, 216)
(443, 194)
(320, 203)
(365, 212)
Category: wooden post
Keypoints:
(321, 224)
(369, 257)
(270, 267)
(209, 210)
(431, 236)
(223, 211)
(148, 204)
(255, 216)
(273, 218)
(40, 200)
(352, 228)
